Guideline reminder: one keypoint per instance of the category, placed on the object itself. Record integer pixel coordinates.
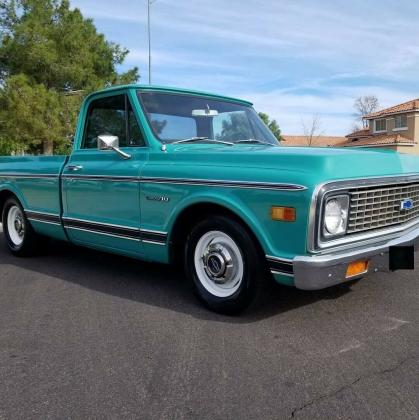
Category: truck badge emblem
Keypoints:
(158, 198)
(406, 204)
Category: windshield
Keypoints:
(175, 117)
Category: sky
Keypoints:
(293, 59)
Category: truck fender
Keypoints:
(231, 204)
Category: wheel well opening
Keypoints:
(4, 195)
(190, 217)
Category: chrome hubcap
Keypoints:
(16, 225)
(19, 226)
(219, 263)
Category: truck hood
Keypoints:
(303, 165)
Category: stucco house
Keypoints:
(395, 128)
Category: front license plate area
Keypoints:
(402, 258)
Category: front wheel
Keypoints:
(223, 264)
(20, 237)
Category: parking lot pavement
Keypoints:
(87, 334)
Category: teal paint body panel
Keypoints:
(306, 167)
(35, 180)
(110, 200)
(131, 206)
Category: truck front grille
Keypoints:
(380, 206)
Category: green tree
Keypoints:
(7, 147)
(53, 57)
(272, 125)
(31, 114)
(235, 126)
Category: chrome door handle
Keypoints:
(74, 167)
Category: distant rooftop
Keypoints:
(364, 138)
(360, 133)
(378, 140)
(317, 141)
(412, 105)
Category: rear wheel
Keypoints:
(20, 237)
(223, 264)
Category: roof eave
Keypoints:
(373, 117)
(381, 145)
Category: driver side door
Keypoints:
(101, 189)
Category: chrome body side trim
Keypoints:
(118, 231)
(154, 231)
(36, 216)
(225, 183)
(280, 265)
(102, 229)
(349, 241)
(281, 273)
(146, 241)
(159, 180)
(314, 272)
(110, 178)
(101, 233)
(153, 237)
(42, 213)
(271, 257)
(44, 221)
(74, 219)
(27, 175)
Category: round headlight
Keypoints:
(334, 217)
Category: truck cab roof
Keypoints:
(170, 89)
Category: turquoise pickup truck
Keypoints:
(166, 175)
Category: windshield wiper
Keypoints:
(193, 139)
(255, 141)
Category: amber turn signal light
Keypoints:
(285, 214)
(356, 268)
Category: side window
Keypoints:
(109, 116)
(105, 116)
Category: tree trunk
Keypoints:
(48, 147)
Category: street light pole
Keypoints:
(149, 3)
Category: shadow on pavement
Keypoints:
(153, 284)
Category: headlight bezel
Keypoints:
(343, 201)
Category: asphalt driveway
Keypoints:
(87, 334)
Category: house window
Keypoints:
(400, 121)
(381, 125)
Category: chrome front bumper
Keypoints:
(321, 271)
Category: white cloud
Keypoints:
(334, 108)
(292, 58)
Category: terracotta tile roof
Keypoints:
(376, 140)
(317, 141)
(359, 133)
(404, 107)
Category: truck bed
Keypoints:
(36, 182)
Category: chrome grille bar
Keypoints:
(378, 207)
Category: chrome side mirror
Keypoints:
(109, 142)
